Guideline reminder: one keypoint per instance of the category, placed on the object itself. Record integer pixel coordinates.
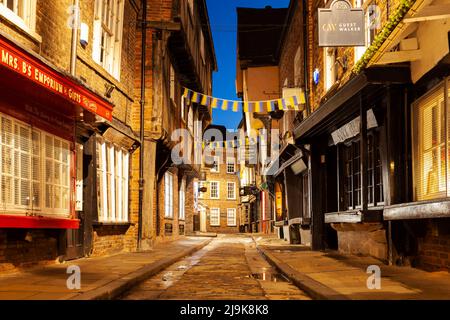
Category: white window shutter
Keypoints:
(79, 181)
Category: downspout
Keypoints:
(142, 132)
(73, 53)
(305, 56)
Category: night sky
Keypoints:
(223, 19)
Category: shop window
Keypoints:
(107, 38)
(20, 12)
(351, 169)
(35, 170)
(182, 200)
(214, 190)
(168, 195)
(214, 217)
(112, 182)
(431, 146)
(231, 190)
(231, 217)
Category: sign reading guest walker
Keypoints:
(341, 25)
(38, 72)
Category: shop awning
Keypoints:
(29, 222)
(330, 108)
(29, 66)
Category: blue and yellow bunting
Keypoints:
(285, 104)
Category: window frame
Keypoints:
(350, 160)
(113, 177)
(26, 23)
(217, 211)
(234, 223)
(182, 200)
(26, 149)
(228, 190)
(231, 163)
(216, 165)
(211, 190)
(110, 58)
(434, 95)
(168, 195)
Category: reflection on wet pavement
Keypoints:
(229, 268)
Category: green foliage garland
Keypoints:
(381, 37)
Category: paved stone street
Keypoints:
(229, 267)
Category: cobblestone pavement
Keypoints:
(229, 268)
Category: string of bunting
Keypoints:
(293, 103)
(234, 143)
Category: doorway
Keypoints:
(203, 220)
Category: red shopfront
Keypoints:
(39, 109)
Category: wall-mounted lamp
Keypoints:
(109, 90)
(343, 62)
(316, 76)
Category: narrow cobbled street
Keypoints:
(230, 267)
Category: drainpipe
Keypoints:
(142, 132)
(305, 55)
(76, 22)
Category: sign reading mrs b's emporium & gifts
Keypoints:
(341, 25)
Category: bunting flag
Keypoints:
(284, 104)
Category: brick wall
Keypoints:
(16, 253)
(52, 27)
(434, 248)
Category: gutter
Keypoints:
(142, 132)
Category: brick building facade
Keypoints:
(71, 224)
(178, 54)
(218, 206)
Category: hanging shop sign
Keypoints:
(341, 25)
(294, 102)
(353, 128)
(35, 70)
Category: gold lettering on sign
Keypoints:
(329, 27)
(9, 60)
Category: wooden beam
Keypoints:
(400, 56)
(163, 25)
(407, 29)
(418, 210)
(363, 154)
(434, 12)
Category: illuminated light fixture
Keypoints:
(299, 166)
(316, 76)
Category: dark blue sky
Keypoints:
(223, 19)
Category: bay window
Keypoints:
(107, 35)
(35, 171)
(112, 182)
(431, 145)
